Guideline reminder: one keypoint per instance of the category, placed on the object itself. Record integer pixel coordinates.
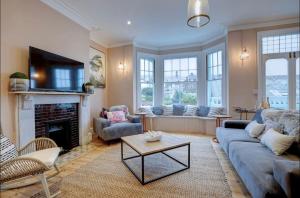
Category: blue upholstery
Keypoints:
(178, 109)
(202, 111)
(227, 136)
(111, 131)
(157, 110)
(287, 174)
(258, 117)
(253, 162)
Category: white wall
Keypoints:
(30, 22)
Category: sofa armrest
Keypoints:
(100, 124)
(235, 124)
(287, 174)
(134, 119)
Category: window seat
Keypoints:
(182, 124)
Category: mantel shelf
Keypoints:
(47, 93)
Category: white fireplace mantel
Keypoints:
(25, 117)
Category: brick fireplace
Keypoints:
(60, 116)
(58, 122)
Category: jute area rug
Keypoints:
(107, 176)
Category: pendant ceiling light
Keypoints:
(198, 13)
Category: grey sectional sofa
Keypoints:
(263, 173)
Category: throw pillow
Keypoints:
(178, 109)
(291, 124)
(277, 142)
(157, 110)
(258, 117)
(271, 114)
(254, 129)
(272, 125)
(202, 111)
(146, 110)
(190, 110)
(215, 111)
(123, 108)
(116, 116)
(7, 149)
(168, 110)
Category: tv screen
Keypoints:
(51, 72)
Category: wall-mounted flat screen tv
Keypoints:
(51, 72)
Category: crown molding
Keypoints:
(264, 24)
(120, 44)
(71, 13)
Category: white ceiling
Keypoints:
(162, 23)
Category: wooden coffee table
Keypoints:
(144, 149)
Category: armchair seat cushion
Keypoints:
(121, 129)
(47, 156)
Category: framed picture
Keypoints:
(97, 67)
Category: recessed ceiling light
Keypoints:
(128, 22)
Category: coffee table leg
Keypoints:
(189, 155)
(122, 150)
(143, 177)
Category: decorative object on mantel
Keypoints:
(18, 82)
(88, 88)
(97, 68)
(198, 13)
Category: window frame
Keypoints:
(262, 68)
(140, 56)
(206, 52)
(196, 54)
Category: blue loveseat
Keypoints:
(107, 130)
(263, 173)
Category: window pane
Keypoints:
(180, 93)
(180, 81)
(193, 63)
(277, 83)
(146, 82)
(146, 94)
(214, 93)
(214, 79)
(297, 84)
(281, 43)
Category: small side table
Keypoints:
(218, 123)
(143, 119)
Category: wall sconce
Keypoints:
(121, 66)
(244, 54)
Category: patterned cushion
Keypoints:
(215, 111)
(116, 116)
(7, 149)
(147, 110)
(157, 110)
(291, 124)
(190, 110)
(178, 109)
(123, 108)
(168, 110)
(202, 111)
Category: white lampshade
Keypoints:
(198, 13)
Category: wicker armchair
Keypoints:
(34, 159)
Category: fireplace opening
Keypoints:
(60, 132)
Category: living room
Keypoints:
(160, 98)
